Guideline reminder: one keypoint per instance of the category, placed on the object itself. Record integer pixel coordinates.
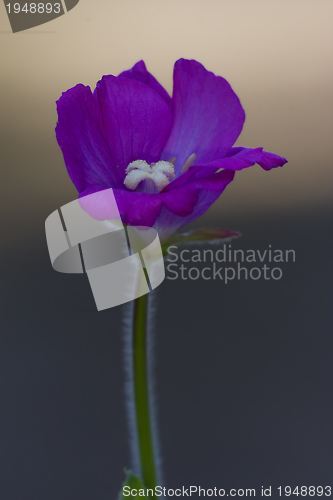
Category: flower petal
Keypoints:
(138, 209)
(139, 72)
(200, 194)
(208, 116)
(80, 137)
(173, 207)
(135, 208)
(199, 180)
(240, 158)
(136, 120)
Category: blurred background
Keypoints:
(244, 371)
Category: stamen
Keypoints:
(189, 162)
(157, 174)
(138, 164)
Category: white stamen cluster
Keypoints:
(160, 173)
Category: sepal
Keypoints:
(132, 482)
(204, 234)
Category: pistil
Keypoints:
(159, 174)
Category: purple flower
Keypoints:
(166, 159)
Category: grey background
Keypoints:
(244, 373)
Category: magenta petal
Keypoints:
(135, 209)
(136, 120)
(129, 118)
(101, 206)
(200, 194)
(270, 160)
(182, 199)
(140, 73)
(240, 158)
(182, 203)
(138, 209)
(80, 137)
(208, 116)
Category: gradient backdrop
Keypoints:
(244, 371)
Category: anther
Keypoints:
(189, 162)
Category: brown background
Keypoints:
(276, 55)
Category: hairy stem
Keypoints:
(141, 392)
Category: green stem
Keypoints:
(141, 392)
